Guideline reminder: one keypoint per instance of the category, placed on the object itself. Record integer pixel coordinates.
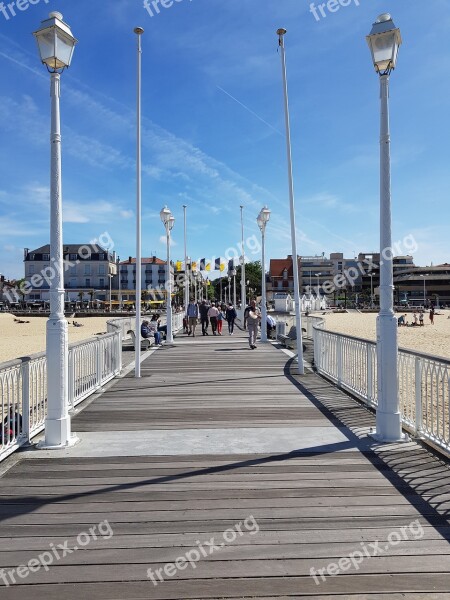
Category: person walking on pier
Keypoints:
(230, 317)
(203, 308)
(192, 316)
(213, 313)
(252, 317)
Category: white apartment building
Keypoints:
(88, 269)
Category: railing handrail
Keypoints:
(410, 351)
(423, 381)
(92, 362)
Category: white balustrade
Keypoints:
(423, 380)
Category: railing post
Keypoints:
(119, 350)
(71, 378)
(26, 405)
(99, 365)
(418, 391)
(339, 359)
(370, 396)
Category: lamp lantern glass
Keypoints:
(263, 218)
(171, 222)
(165, 215)
(384, 42)
(55, 42)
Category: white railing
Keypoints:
(23, 385)
(423, 381)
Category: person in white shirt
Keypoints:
(213, 313)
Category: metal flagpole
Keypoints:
(137, 367)
(298, 316)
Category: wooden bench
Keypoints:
(290, 340)
(146, 343)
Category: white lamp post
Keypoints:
(262, 220)
(298, 316)
(56, 45)
(318, 289)
(384, 41)
(371, 288)
(186, 277)
(110, 275)
(424, 290)
(138, 287)
(168, 220)
(243, 290)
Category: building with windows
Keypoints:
(423, 286)
(281, 276)
(153, 280)
(88, 269)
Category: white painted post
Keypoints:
(418, 392)
(26, 399)
(57, 424)
(389, 421)
(137, 348)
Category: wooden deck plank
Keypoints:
(313, 507)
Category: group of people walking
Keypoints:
(213, 314)
(210, 314)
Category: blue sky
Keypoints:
(213, 127)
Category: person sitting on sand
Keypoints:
(402, 321)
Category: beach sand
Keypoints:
(29, 338)
(430, 339)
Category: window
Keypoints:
(73, 282)
(101, 282)
(87, 269)
(101, 270)
(46, 257)
(73, 256)
(102, 256)
(31, 270)
(88, 282)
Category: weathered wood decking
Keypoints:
(211, 436)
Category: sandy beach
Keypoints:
(431, 339)
(28, 338)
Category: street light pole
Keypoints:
(110, 290)
(186, 278)
(298, 317)
(262, 220)
(120, 283)
(318, 289)
(384, 41)
(168, 220)
(56, 45)
(137, 348)
(243, 290)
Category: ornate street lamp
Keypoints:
(56, 45)
(168, 220)
(262, 220)
(384, 41)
